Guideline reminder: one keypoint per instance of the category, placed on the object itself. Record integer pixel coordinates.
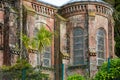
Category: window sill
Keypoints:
(45, 68)
(77, 66)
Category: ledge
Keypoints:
(16, 52)
(77, 66)
(45, 68)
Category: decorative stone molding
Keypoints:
(76, 66)
(103, 10)
(91, 13)
(32, 51)
(43, 9)
(73, 10)
(45, 68)
(65, 56)
(83, 7)
(14, 51)
(92, 52)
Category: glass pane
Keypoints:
(100, 32)
(78, 53)
(46, 55)
(101, 47)
(78, 60)
(101, 40)
(78, 39)
(77, 31)
(101, 55)
(35, 31)
(46, 62)
(78, 46)
(48, 49)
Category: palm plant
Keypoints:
(39, 42)
(42, 39)
(26, 42)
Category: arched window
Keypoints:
(100, 46)
(45, 56)
(78, 44)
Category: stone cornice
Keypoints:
(41, 8)
(88, 2)
(83, 7)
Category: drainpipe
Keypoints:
(62, 71)
(21, 27)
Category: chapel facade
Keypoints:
(85, 35)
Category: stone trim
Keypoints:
(74, 10)
(77, 66)
(79, 8)
(42, 9)
(92, 52)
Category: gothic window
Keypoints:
(100, 46)
(35, 31)
(78, 44)
(47, 57)
(1, 37)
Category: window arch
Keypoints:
(46, 56)
(78, 44)
(100, 46)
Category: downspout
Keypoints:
(21, 27)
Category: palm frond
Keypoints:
(43, 38)
(26, 40)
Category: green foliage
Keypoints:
(42, 39)
(117, 46)
(76, 77)
(116, 16)
(26, 40)
(112, 74)
(22, 67)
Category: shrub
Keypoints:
(112, 74)
(76, 77)
(22, 69)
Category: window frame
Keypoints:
(48, 52)
(42, 54)
(99, 44)
(79, 29)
